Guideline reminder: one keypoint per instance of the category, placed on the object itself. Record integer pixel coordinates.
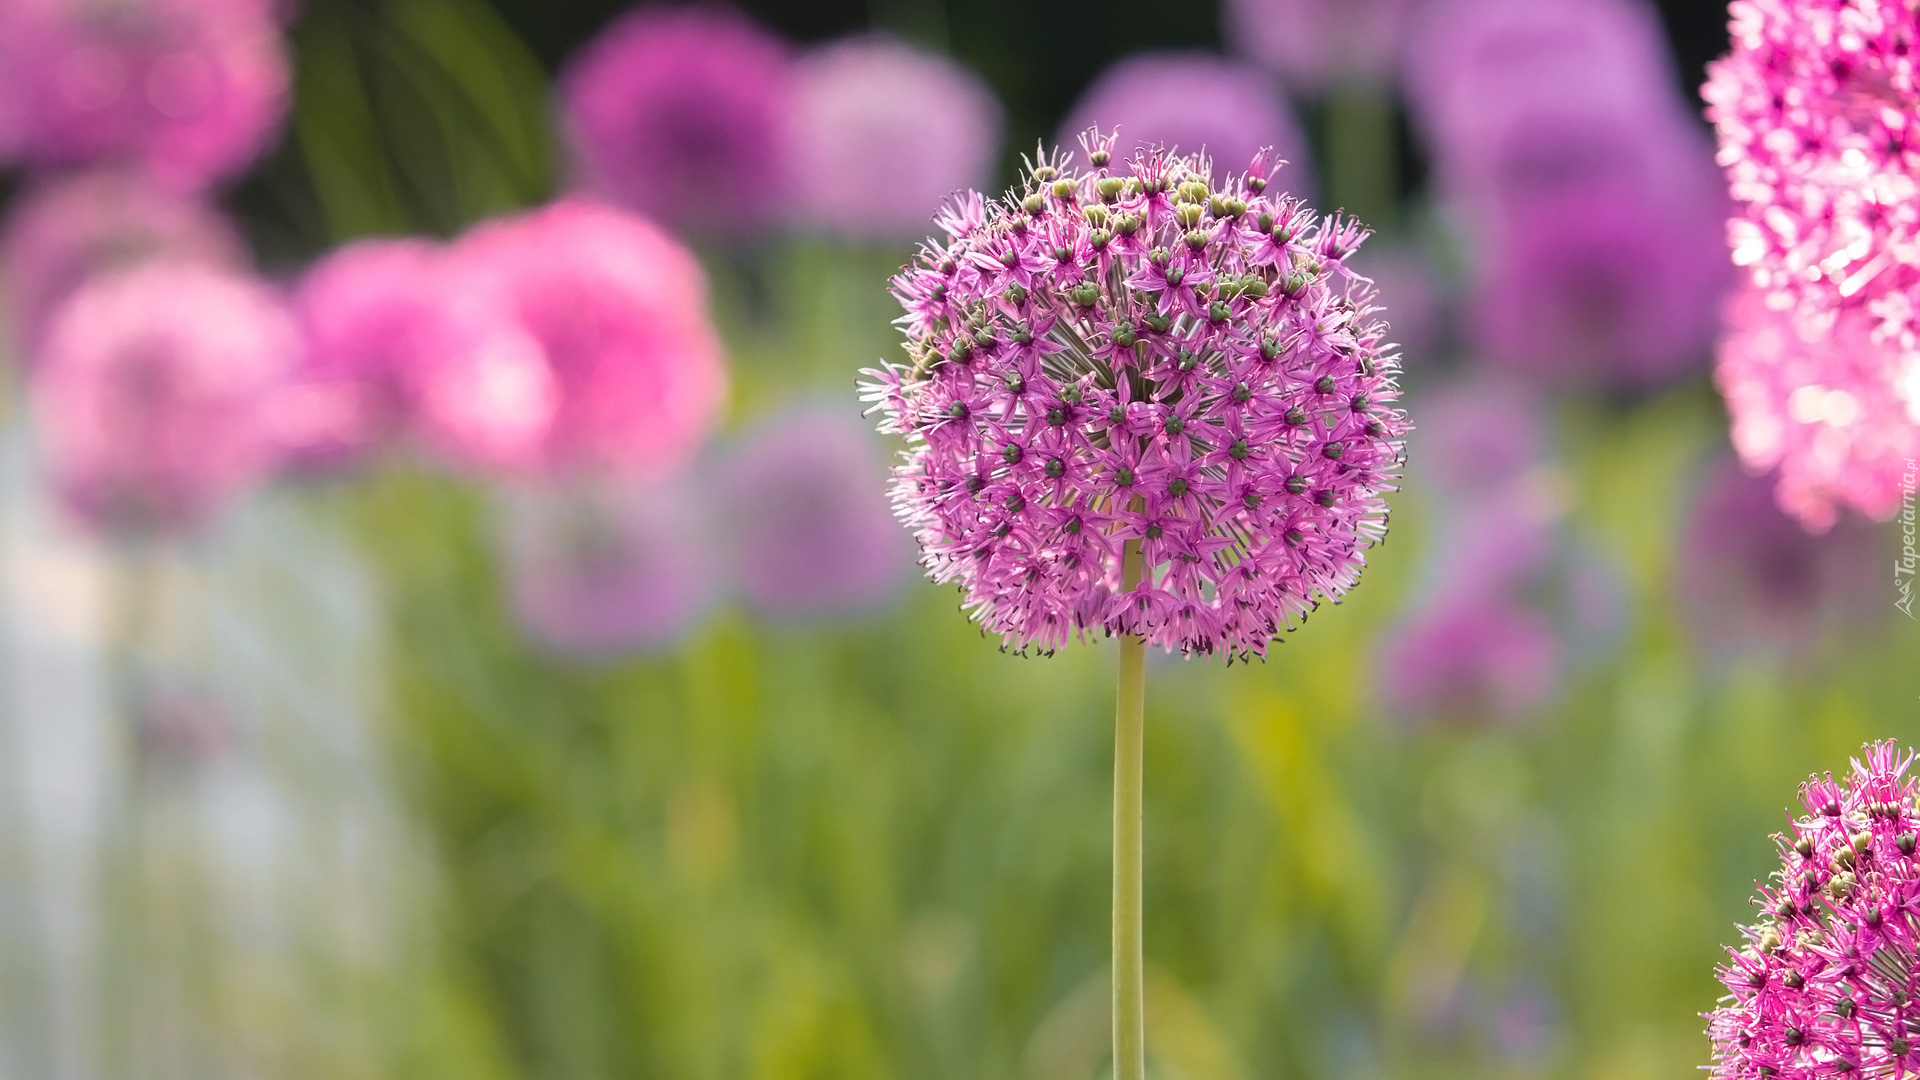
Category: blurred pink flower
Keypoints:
(152, 395)
(1318, 45)
(1827, 408)
(1748, 576)
(883, 132)
(681, 114)
(370, 314)
(1192, 102)
(188, 90)
(808, 519)
(1479, 661)
(577, 340)
(596, 571)
(1477, 435)
(65, 229)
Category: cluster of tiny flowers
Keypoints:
(1826, 983)
(1138, 355)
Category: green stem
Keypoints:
(1361, 169)
(1129, 782)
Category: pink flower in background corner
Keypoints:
(1190, 103)
(69, 227)
(606, 568)
(370, 312)
(151, 394)
(682, 114)
(1815, 107)
(1318, 45)
(1154, 353)
(189, 91)
(882, 131)
(1821, 986)
(576, 340)
(809, 529)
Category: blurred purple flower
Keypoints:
(1318, 45)
(1409, 295)
(152, 395)
(681, 114)
(1192, 102)
(1750, 578)
(369, 312)
(808, 517)
(189, 91)
(577, 340)
(611, 568)
(65, 229)
(1477, 435)
(1475, 661)
(883, 132)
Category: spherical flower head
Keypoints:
(1824, 984)
(881, 132)
(1826, 408)
(1749, 578)
(578, 341)
(596, 571)
(808, 521)
(369, 312)
(189, 91)
(66, 229)
(1483, 660)
(1143, 352)
(152, 396)
(680, 113)
(1319, 45)
(1193, 103)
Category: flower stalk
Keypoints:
(1129, 783)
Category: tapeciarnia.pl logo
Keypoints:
(1903, 567)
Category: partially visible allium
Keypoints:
(1193, 103)
(65, 229)
(370, 314)
(1749, 577)
(808, 525)
(189, 91)
(881, 132)
(1482, 660)
(1318, 45)
(600, 570)
(1823, 407)
(1825, 983)
(152, 394)
(681, 113)
(579, 342)
(1150, 352)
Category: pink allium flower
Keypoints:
(152, 394)
(1151, 353)
(66, 229)
(681, 113)
(1317, 45)
(188, 90)
(370, 314)
(1749, 577)
(810, 529)
(1487, 659)
(1825, 984)
(1815, 107)
(579, 341)
(882, 131)
(1193, 103)
(1824, 407)
(596, 571)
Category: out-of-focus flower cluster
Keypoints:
(1820, 363)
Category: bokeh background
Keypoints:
(399, 763)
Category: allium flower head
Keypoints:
(187, 90)
(1193, 103)
(152, 396)
(67, 229)
(579, 342)
(881, 132)
(1143, 351)
(1825, 984)
(680, 113)
(1316, 45)
(1816, 107)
